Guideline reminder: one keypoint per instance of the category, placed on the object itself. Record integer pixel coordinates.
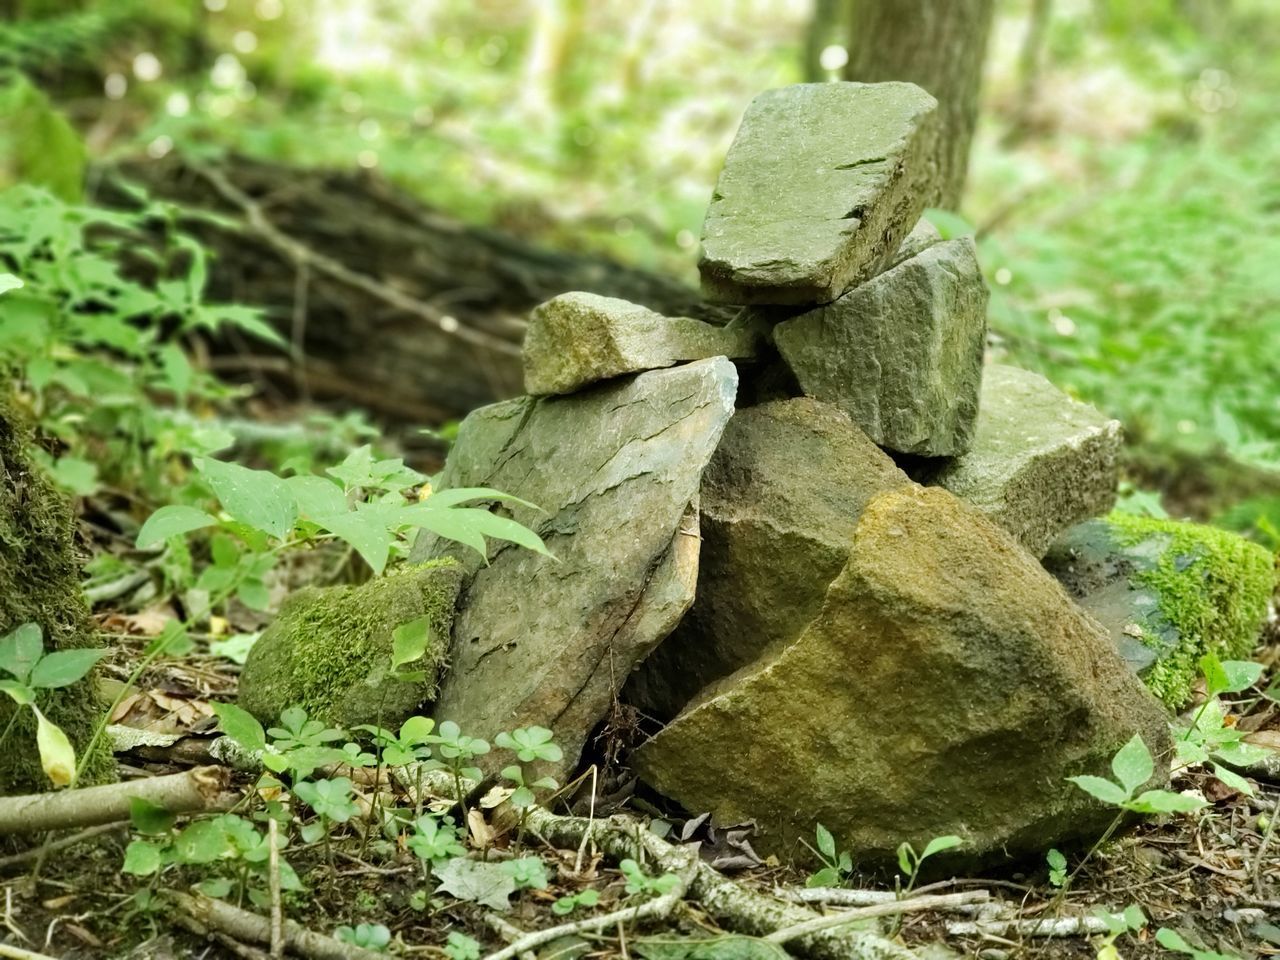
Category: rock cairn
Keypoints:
(804, 548)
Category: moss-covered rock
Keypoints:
(40, 583)
(329, 651)
(1169, 591)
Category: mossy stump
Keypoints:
(1169, 591)
(329, 651)
(40, 583)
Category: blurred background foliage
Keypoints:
(1123, 186)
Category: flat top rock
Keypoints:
(615, 470)
(580, 338)
(819, 188)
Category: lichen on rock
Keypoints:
(1179, 589)
(40, 583)
(329, 651)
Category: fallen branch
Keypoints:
(192, 791)
(17, 953)
(35, 853)
(658, 908)
(842, 897)
(1048, 927)
(891, 908)
(244, 925)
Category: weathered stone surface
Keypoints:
(577, 339)
(780, 502)
(922, 236)
(1168, 592)
(901, 354)
(819, 188)
(329, 650)
(1040, 461)
(948, 686)
(616, 470)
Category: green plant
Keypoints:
(1172, 940)
(529, 873)
(909, 861)
(529, 744)
(1057, 863)
(836, 866)
(1133, 767)
(640, 882)
(461, 947)
(457, 751)
(1131, 920)
(1208, 738)
(367, 936)
(434, 840)
(564, 906)
(31, 670)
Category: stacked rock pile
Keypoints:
(807, 544)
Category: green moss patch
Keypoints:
(40, 583)
(1211, 587)
(329, 651)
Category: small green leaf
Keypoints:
(907, 859)
(938, 844)
(1132, 764)
(1241, 674)
(409, 641)
(257, 498)
(64, 667)
(57, 756)
(9, 282)
(203, 842)
(174, 520)
(241, 726)
(1216, 680)
(148, 817)
(1104, 790)
(142, 858)
(20, 650)
(826, 842)
(1233, 779)
(19, 693)
(1165, 801)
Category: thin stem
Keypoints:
(8, 728)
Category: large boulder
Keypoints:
(820, 186)
(902, 353)
(615, 471)
(577, 339)
(329, 650)
(1040, 461)
(1168, 592)
(780, 503)
(40, 584)
(948, 686)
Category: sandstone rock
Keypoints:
(616, 470)
(948, 686)
(1168, 592)
(780, 502)
(820, 186)
(1039, 462)
(922, 236)
(329, 650)
(576, 339)
(901, 354)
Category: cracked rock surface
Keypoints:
(616, 470)
(802, 225)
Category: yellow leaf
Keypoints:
(218, 626)
(424, 491)
(1109, 952)
(57, 756)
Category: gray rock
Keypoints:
(1168, 592)
(948, 686)
(922, 236)
(616, 471)
(577, 339)
(901, 354)
(819, 188)
(780, 502)
(1039, 462)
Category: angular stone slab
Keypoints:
(820, 186)
(577, 339)
(901, 354)
(948, 686)
(616, 470)
(1168, 592)
(780, 502)
(1040, 461)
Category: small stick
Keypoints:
(192, 791)
(1048, 927)
(244, 925)
(18, 859)
(277, 909)
(17, 953)
(888, 909)
(842, 897)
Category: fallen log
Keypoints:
(387, 304)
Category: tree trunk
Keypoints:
(823, 30)
(938, 44)
(1030, 64)
(387, 304)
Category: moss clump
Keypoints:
(329, 651)
(40, 583)
(1212, 588)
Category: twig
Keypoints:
(17, 953)
(18, 859)
(1048, 927)
(277, 909)
(889, 909)
(657, 908)
(203, 788)
(508, 931)
(843, 897)
(302, 256)
(242, 950)
(243, 925)
(1260, 856)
